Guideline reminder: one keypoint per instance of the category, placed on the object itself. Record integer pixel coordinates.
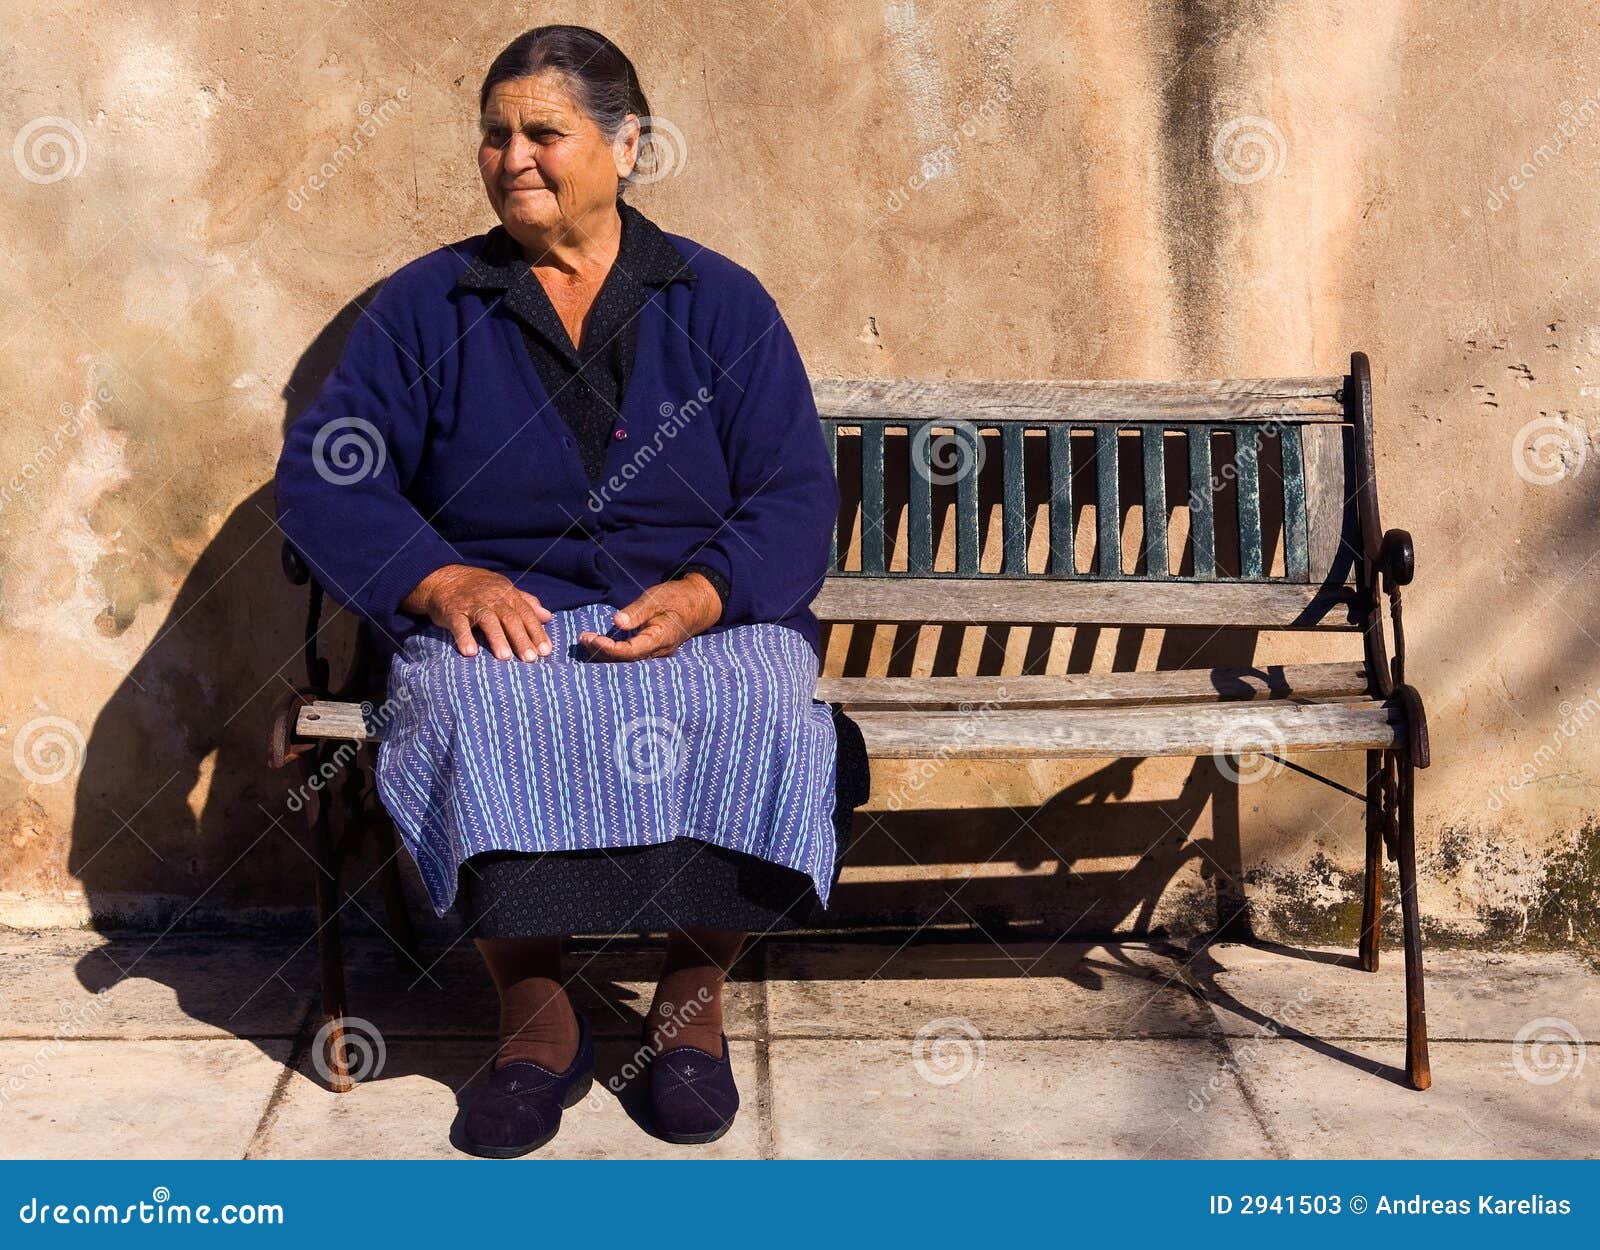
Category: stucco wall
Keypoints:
(933, 190)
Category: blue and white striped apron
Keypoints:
(723, 741)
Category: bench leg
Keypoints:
(401, 929)
(329, 949)
(1372, 900)
(1417, 1071)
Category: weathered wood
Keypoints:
(1189, 685)
(1039, 402)
(919, 516)
(1126, 601)
(1331, 541)
(1294, 503)
(1103, 733)
(1202, 511)
(1246, 449)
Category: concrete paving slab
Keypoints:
(451, 994)
(1319, 1106)
(194, 1099)
(1023, 990)
(409, 1111)
(957, 1096)
(174, 986)
(1471, 995)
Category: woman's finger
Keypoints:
(489, 626)
(533, 623)
(461, 627)
(522, 645)
(543, 613)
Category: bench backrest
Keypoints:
(1226, 503)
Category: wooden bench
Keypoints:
(1229, 505)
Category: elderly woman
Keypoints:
(571, 474)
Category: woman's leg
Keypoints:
(536, 1018)
(687, 1009)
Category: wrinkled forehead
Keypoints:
(545, 97)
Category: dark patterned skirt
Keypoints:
(678, 884)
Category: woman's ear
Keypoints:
(625, 151)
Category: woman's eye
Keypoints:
(496, 137)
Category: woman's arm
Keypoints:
(341, 484)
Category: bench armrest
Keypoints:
(1396, 559)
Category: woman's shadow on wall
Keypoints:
(183, 836)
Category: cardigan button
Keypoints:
(620, 434)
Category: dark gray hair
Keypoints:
(602, 80)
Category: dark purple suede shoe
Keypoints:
(692, 1095)
(519, 1107)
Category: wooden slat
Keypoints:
(337, 720)
(1330, 510)
(1196, 685)
(1202, 504)
(1246, 451)
(1013, 505)
(919, 509)
(1107, 502)
(1153, 438)
(1062, 562)
(1102, 733)
(1294, 503)
(1126, 601)
(1087, 402)
(874, 523)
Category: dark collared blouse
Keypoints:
(587, 386)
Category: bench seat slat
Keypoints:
(1103, 733)
(1062, 601)
(1197, 685)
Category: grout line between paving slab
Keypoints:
(766, 1137)
(280, 1088)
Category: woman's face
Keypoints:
(545, 164)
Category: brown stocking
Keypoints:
(536, 1019)
(687, 1009)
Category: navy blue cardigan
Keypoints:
(433, 443)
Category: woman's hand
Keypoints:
(460, 598)
(665, 617)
